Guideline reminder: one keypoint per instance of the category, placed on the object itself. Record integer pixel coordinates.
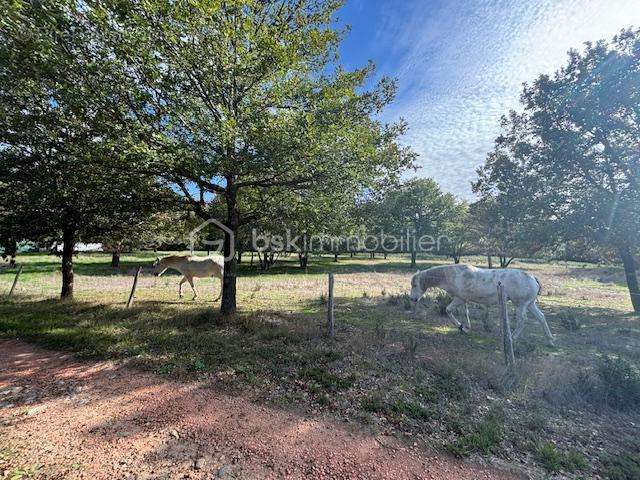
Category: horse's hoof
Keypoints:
(461, 329)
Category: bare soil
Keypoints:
(67, 418)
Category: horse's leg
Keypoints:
(220, 294)
(466, 312)
(193, 287)
(184, 279)
(533, 308)
(521, 318)
(485, 318)
(450, 308)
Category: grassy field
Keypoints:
(569, 411)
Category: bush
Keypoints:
(403, 300)
(484, 439)
(620, 383)
(451, 384)
(411, 410)
(547, 455)
(536, 421)
(326, 379)
(622, 466)
(569, 321)
(374, 404)
(411, 345)
(613, 383)
(442, 300)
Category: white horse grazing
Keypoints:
(190, 267)
(466, 283)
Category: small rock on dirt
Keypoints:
(224, 472)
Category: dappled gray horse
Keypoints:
(466, 283)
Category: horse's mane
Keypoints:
(433, 277)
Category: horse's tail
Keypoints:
(539, 285)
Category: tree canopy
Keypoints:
(66, 164)
(245, 95)
(569, 163)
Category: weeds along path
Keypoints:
(65, 418)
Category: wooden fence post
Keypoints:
(507, 339)
(15, 281)
(133, 289)
(330, 319)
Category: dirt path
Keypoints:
(96, 420)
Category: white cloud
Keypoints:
(462, 64)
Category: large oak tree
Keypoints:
(570, 161)
(240, 95)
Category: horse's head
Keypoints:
(423, 281)
(158, 267)
(417, 289)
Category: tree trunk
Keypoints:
(115, 259)
(631, 275)
(505, 262)
(335, 256)
(239, 257)
(304, 259)
(413, 259)
(228, 303)
(68, 243)
(12, 261)
(457, 252)
(251, 263)
(490, 261)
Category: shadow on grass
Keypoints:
(605, 274)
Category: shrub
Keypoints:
(614, 383)
(425, 392)
(406, 302)
(547, 455)
(621, 466)
(524, 348)
(379, 328)
(411, 345)
(569, 321)
(442, 300)
(536, 421)
(411, 410)
(326, 379)
(374, 404)
(621, 383)
(403, 300)
(484, 439)
(451, 384)
(197, 366)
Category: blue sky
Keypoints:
(461, 64)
